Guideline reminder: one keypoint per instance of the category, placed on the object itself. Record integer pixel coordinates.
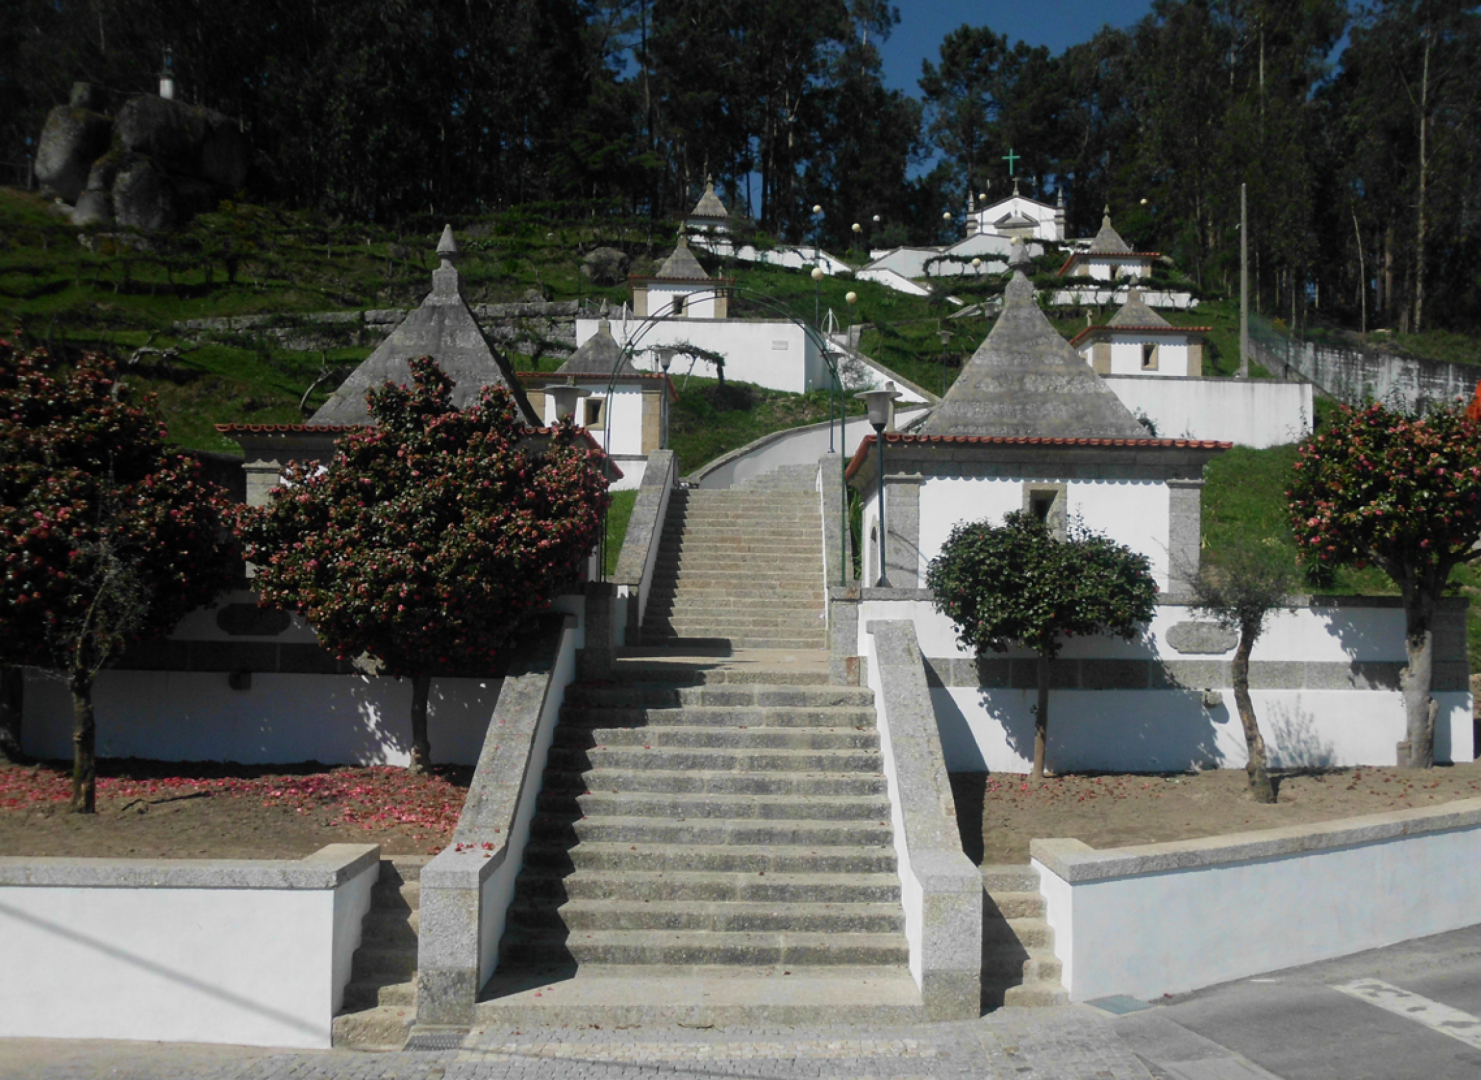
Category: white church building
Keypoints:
(1029, 425)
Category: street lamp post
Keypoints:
(665, 354)
(879, 403)
(567, 398)
(945, 336)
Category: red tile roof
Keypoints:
(1034, 440)
(340, 429)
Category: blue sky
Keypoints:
(1055, 23)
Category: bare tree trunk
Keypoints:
(12, 700)
(84, 746)
(421, 749)
(1422, 228)
(1417, 751)
(1261, 790)
(1041, 719)
(1362, 273)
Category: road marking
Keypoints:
(1431, 1014)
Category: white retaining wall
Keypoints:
(1309, 674)
(1138, 920)
(1258, 413)
(778, 355)
(253, 953)
(195, 715)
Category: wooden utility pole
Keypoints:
(1244, 283)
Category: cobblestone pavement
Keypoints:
(1068, 1043)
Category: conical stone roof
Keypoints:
(1108, 241)
(598, 355)
(709, 205)
(442, 328)
(1025, 381)
(682, 264)
(1135, 312)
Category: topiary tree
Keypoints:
(1240, 593)
(1399, 492)
(107, 537)
(1017, 584)
(431, 539)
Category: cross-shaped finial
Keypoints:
(1012, 159)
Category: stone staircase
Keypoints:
(741, 565)
(1018, 962)
(719, 846)
(380, 999)
(783, 478)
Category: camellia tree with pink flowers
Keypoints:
(431, 539)
(107, 536)
(1402, 493)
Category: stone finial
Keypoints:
(1059, 198)
(602, 312)
(1018, 257)
(447, 247)
(1133, 295)
(604, 326)
(1105, 221)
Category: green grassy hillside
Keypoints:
(1244, 503)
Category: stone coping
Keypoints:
(698, 476)
(1172, 599)
(1075, 861)
(327, 868)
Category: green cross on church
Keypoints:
(1011, 158)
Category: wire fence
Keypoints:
(1352, 374)
(19, 173)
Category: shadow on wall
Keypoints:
(198, 716)
(1129, 730)
(1290, 734)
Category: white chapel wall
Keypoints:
(1132, 512)
(1324, 683)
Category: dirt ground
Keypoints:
(222, 811)
(1119, 810)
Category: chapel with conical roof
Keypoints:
(1139, 341)
(1109, 257)
(681, 288)
(1028, 425)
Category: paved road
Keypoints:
(1408, 1012)
(1023, 1044)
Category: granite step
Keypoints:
(742, 695)
(730, 807)
(706, 996)
(697, 886)
(713, 737)
(800, 785)
(679, 948)
(753, 640)
(1019, 967)
(713, 759)
(716, 916)
(717, 716)
(638, 829)
(379, 1004)
(715, 858)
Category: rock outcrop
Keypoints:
(153, 165)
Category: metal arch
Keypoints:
(632, 346)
